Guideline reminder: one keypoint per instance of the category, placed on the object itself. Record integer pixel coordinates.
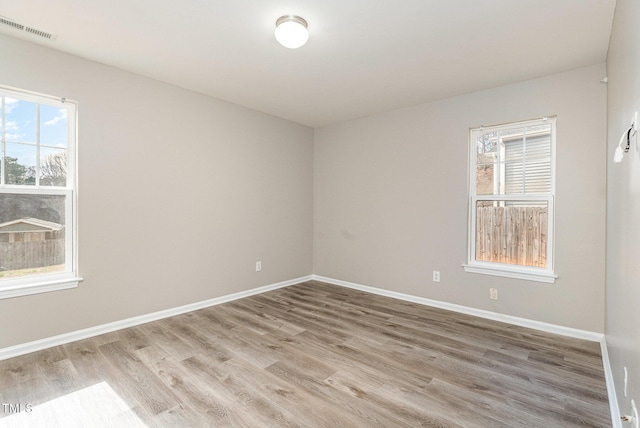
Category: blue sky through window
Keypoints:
(21, 130)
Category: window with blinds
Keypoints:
(511, 198)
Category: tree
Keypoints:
(53, 169)
(16, 173)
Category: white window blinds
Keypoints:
(527, 164)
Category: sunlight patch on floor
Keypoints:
(96, 406)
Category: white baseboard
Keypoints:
(26, 348)
(611, 389)
(509, 319)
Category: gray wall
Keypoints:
(180, 194)
(623, 207)
(390, 199)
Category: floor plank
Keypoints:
(311, 355)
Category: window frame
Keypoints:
(532, 273)
(46, 282)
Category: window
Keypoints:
(511, 195)
(37, 193)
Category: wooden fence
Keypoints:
(515, 235)
(31, 254)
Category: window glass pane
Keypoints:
(538, 177)
(32, 234)
(485, 179)
(513, 161)
(513, 150)
(20, 120)
(53, 167)
(487, 151)
(538, 147)
(513, 178)
(53, 126)
(486, 147)
(513, 232)
(544, 128)
(20, 164)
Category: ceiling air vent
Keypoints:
(11, 24)
(5, 21)
(40, 33)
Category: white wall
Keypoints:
(623, 207)
(180, 194)
(390, 202)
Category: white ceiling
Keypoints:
(363, 56)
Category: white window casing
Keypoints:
(35, 142)
(512, 173)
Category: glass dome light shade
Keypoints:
(291, 31)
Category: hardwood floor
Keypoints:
(311, 355)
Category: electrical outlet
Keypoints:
(634, 411)
(258, 266)
(436, 276)
(634, 122)
(493, 293)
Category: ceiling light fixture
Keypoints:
(291, 31)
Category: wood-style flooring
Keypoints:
(311, 355)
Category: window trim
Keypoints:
(39, 284)
(42, 283)
(531, 273)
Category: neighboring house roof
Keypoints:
(29, 225)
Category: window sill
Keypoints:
(508, 272)
(25, 287)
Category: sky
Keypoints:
(20, 125)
